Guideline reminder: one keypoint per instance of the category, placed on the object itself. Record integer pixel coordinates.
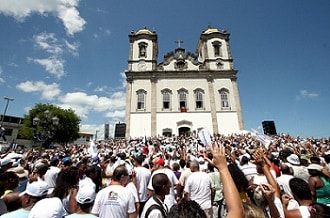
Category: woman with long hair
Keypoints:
(66, 188)
(319, 184)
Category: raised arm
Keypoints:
(230, 192)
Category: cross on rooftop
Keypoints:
(179, 42)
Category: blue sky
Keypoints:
(74, 54)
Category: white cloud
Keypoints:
(102, 32)
(304, 94)
(49, 43)
(70, 16)
(2, 80)
(83, 103)
(65, 10)
(52, 65)
(47, 91)
(123, 79)
(72, 47)
(100, 89)
(116, 114)
(55, 48)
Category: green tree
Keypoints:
(46, 133)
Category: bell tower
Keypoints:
(214, 51)
(143, 50)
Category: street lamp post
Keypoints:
(47, 128)
(5, 111)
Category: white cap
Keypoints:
(85, 195)
(293, 159)
(36, 189)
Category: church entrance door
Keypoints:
(184, 131)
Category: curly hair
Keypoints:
(186, 209)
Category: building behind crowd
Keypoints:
(185, 92)
(12, 125)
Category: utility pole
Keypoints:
(4, 113)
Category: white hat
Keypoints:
(293, 159)
(6, 161)
(36, 189)
(313, 166)
(85, 195)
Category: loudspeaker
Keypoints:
(106, 131)
(269, 127)
(120, 130)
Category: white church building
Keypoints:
(184, 93)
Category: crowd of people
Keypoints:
(241, 175)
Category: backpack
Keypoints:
(156, 207)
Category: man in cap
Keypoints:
(299, 171)
(6, 163)
(33, 193)
(158, 166)
(23, 175)
(85, 200)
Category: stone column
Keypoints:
(237, 103)
(153, 109)
(212, 105)
(128, 106)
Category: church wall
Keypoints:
(140, 124)
(175, 85)
(228, 123)
(169, 120)
(145, 85)
(227, 84)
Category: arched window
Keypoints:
(199, 103)
(217, 48)
(167, 93)
(183, 98)
(224, 97)
(141, 94)
(143, 49)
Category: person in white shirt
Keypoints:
(142, 178)
(155, 206)
(51, 175)
(115, 200)
(200, 188)
(170, 199)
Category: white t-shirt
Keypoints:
(249, 170)
(283, 182)
(170, 198)
(155, 213)
(109, 169)
(48, 208)
(143, 176)
(50, 178)
(114, 201)
(130, 186)
(199, 186)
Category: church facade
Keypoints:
(184, 93)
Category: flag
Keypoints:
(205, 137)
(264, 139)
(92, 150)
